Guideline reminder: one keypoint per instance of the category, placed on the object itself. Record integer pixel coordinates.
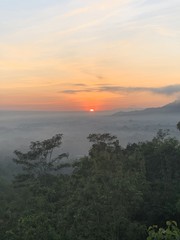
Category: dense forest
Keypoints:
(114, 193)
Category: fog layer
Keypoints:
(18, 129)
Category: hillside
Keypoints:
(173, 107)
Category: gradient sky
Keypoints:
(82, 54)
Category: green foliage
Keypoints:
(111, 194)
(39, 162)
(171, 232)
(178, 126)
(106, 197)
(162, 164)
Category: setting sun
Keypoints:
(69, 65)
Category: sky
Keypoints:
(71, 55)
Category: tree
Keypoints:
(178, 126)
(33, 213)
(111, 194)
(39, 161)
(162, 164)
(172, 232)
(105, 197)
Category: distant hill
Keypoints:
(170, 108)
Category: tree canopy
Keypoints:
(113, 193)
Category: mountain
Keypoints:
(171, 108)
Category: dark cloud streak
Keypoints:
(166, 90)
(97, 76)
(79, 85)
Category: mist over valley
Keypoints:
(18, 129)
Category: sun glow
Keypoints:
(91, 110)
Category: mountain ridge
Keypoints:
(173, 107)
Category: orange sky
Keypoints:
(77, 55)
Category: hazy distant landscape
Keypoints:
(18, 129)
(89, 120)
(102, 181)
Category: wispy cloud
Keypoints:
(71, 91)
(79, 85)
(96, 75)
(166, 90)
(70, 43)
